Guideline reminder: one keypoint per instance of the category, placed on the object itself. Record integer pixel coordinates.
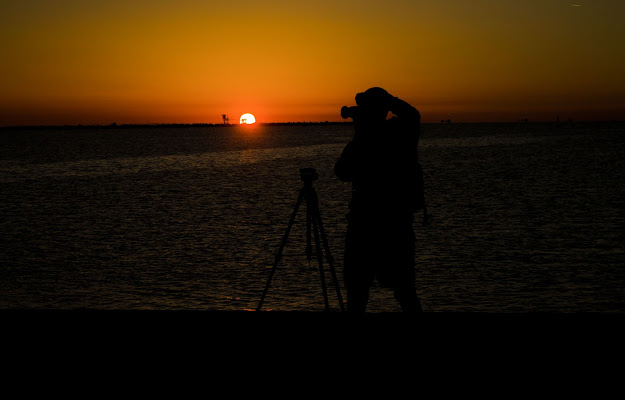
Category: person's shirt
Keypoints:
(382, 164)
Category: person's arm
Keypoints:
(404, 111)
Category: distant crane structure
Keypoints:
(225, 118)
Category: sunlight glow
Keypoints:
(247, 119)
(61, 65)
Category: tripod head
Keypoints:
(308, 175)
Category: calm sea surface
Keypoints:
(526, 217)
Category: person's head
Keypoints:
(374, 103)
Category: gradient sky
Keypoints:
(186, 61)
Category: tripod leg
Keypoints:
(309, 218)
(329, 258)
(282, 245)
(320, 259)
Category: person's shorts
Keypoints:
(379, 248)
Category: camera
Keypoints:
(308, 174)
(349, 112)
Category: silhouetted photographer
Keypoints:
(381, 162)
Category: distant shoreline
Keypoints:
(205, 125)
(180, 125)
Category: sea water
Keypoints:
(525, 217)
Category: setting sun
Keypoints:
(247, 119)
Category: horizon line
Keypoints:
(197, 124)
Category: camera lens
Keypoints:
(349, 112)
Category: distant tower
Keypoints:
(225, 118)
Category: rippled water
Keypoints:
(526, 217)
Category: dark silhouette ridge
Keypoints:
(381, 162)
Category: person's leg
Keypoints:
(408, 299)
(405, 288)
(357, 273)
(357, 298)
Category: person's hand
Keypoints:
(391, 100)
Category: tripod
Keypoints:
(314, 225)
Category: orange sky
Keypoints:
(188, 61)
